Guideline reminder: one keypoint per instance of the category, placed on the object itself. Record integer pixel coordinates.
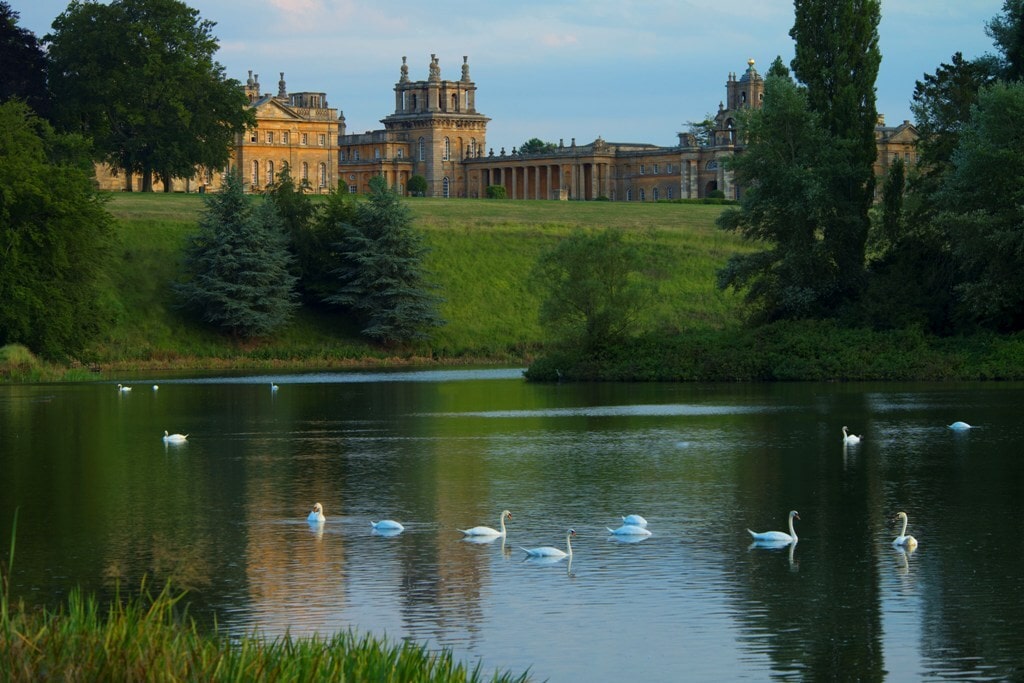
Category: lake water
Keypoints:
(102, 499)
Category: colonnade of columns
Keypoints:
(583, 180)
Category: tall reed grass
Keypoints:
(148, 637)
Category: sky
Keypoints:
(623, 70)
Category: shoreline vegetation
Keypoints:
(482, 253)
(145, 637)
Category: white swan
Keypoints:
(548, 551)
(634, 520)
(273, 387)
(959, 426)
(488, 531)
(904, 541)
(156, 387)
(174, 438)
(387, 525)
(629, 530)
(850, 439)
(316, 515)
(123, 389)
(778, 536)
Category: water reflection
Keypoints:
(103, 501)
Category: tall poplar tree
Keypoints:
(837, 59)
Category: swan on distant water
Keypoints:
(316, 515)
(174, 438)
(389, 525)
(548, 551)
(959, 426)
(488, 531)
(778, 536)
(629, 530)
(904, 541)
(850, 439)
(156, 387)
(634, 520)
(123, 389)
(273, 387)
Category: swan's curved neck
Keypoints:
(502, 520)
(903, 531)
(568, 543)
(792, 531)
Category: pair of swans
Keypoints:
(632, 525)
(385, 526)
(850, 439)
(174, 438)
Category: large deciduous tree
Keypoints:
(784, 208)
(381, 277)
(238, 267)
(54, 235)
(24, 64)
(837, 57)
(983, 206)
(139, 77)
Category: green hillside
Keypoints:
(482, 252)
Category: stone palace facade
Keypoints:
(437, 132)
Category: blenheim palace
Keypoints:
(436, 132)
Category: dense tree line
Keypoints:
(943, 248)
(133, 83)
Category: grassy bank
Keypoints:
(482, 252)
(145, 638)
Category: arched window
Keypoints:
(643, 197)
(655, 195)
(422, 150)
(323, 175)
(270, 172)
(305, 171)
(445, 187)
(455, 102)
(447, 150)
(472, 147)
(255, 173)
(629, 195)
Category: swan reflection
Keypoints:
(778, 546)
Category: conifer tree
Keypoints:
(381, 275)
(238, 265)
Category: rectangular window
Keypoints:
(305, 138)
(252, 136)
(270, 137)
(400, 154)
(284, 138)
(323, 139)
(641, 169)
(668, 168)
(355, 155)
(656, 169)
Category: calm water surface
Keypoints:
(103, 500)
